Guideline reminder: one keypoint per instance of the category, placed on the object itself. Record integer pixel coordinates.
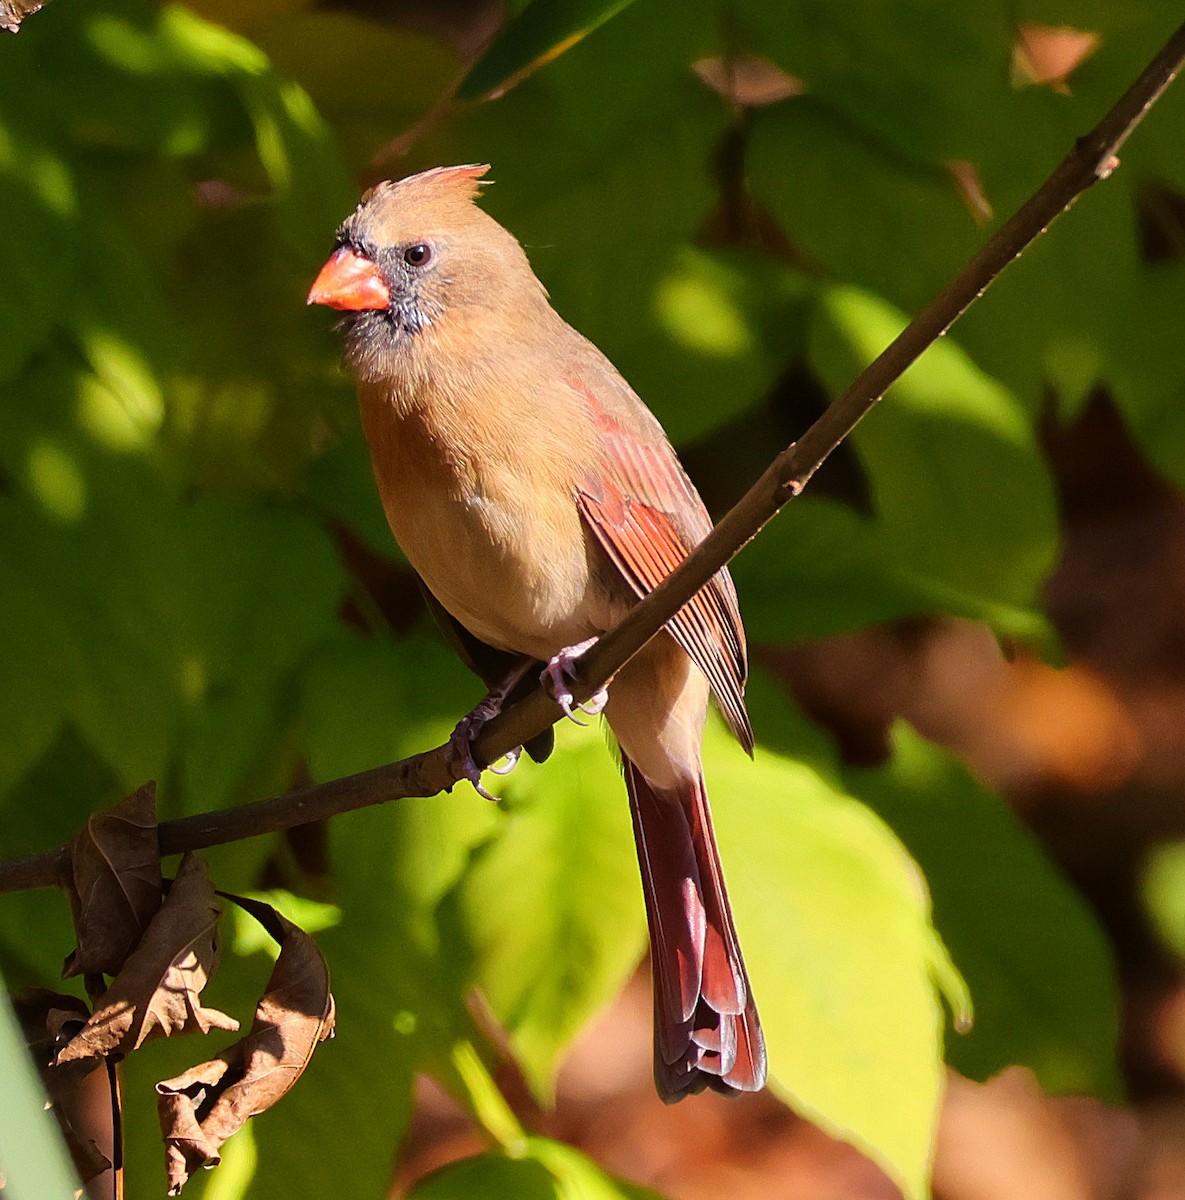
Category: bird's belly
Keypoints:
(518, 584)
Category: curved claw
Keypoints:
(507, 763)
(555, 679)
(595, 704)
(556, 674)
(480, 789)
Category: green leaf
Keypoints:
(540, 33)
(1067, 314)
(367, 702)
(35, 1163)
(599, 92)
(817, 570)
(820, 568)
(957, 477)
(544, 1170)
(964, 519)
(835, 921)
(550, 905)
(30, 713)
(131, 77)
(310, 190)
(1033, 954)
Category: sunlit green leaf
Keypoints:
(717, 332)
(365, 704)
(964, 518)
(835, 920)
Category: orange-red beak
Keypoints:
(350, 282)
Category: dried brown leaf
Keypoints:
(157, 994)
(13, 12)
(78, 1113)
(47, 1019)
(203, 1107)
(748, 80)
(115, 888)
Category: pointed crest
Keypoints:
(441, 197)
(461, 183)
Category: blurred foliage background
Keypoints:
(740, 201)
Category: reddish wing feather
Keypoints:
(632, 516)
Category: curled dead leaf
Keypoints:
(48, 1019)
(203, 1107)
(115, 886)
(157, 993)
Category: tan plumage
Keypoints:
(537, 497)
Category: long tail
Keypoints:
(706, 1031)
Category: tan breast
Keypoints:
(480, 495)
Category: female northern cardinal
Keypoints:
(537, 498)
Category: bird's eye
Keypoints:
(417, 255)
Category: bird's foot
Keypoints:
(460, 753)
(460, 742)
(558, 673)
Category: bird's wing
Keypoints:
(647, 515)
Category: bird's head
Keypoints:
(414, 254)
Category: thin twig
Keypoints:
(1092, 158)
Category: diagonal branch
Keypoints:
(1092, 159)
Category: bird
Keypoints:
(538, 498)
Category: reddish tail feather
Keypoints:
(706, 1031)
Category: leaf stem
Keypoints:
(486, 1100)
